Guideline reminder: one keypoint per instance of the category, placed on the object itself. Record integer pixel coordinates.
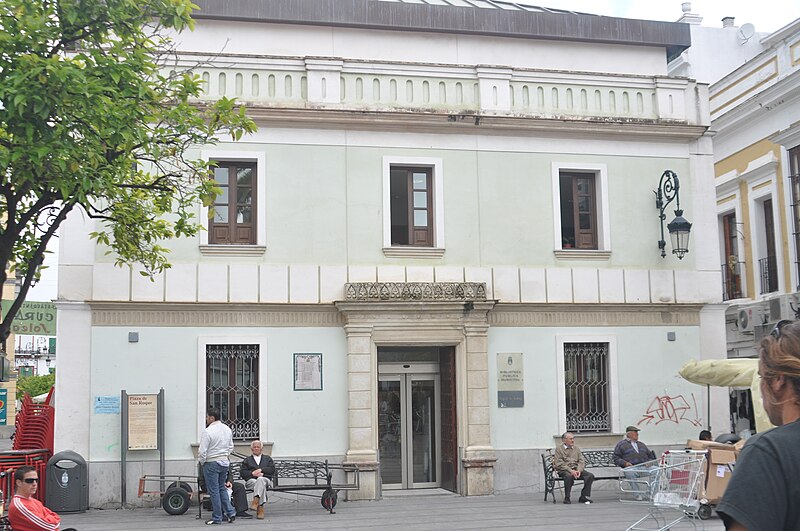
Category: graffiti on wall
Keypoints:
(674, 409)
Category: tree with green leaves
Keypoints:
(35, 385)
(94, 117)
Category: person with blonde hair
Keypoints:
(765, 487)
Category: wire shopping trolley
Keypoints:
(673, 484)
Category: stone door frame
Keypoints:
(419, 314)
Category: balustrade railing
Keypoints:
(768, 272)
(341, 84)
(731, 281)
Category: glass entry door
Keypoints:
(409, 428)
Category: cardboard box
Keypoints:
(738, 446)
(694, 444)
(720, 462)
(718, 473)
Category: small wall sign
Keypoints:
(510, 380)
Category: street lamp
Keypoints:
(679, 228)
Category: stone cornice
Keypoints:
(512, 315)
(214, 314)
(405, 121)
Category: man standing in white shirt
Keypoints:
(216, 444)
(257, 471)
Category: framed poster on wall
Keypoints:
(308, 372)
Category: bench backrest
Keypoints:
(592, 458)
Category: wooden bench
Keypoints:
(597, 459)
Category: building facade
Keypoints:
(438, 253)
(754, 112)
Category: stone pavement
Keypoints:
(407, 512)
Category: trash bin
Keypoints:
(67, 483)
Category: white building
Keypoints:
(435, 192)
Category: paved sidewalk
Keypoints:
(409, 512)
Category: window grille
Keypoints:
(232, 387)
(586, 386)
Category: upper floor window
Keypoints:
(578, 210)
(238, 226)
(768, 262)
(413, 207)
(581, 213)
(234, 220)
(794, 178)
(411, 204)
(731, 274)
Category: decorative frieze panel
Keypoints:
(415, 291)
(609, 315)
(132, 314)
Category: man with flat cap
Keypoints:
(631, 451)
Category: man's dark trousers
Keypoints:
(587, 478)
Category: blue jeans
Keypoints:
(642, 480)
(216, 475)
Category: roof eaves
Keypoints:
(398, 16)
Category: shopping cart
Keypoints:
(672, 483)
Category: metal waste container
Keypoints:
(67, 483)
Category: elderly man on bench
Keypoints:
(568, 462)
(256, 471)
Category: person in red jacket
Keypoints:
(25, 512)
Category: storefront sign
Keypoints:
(510, 380)
(142, 422)
(33, 318)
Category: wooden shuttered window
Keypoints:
(234, 219)
(578, 211)
(411, 205)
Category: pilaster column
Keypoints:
(671, 97)
(361, 432)
(479, 456)
(324, 80)
(494, 85)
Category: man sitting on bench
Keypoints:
(569, 463)
(257, 470)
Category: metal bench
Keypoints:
(594, 459)
(297, 477)
(300, 477)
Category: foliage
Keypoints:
(97, 116)
(35, 385)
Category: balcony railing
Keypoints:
(731, 281)
(768, 270)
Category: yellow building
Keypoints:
(11, 384)
(754, 112)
